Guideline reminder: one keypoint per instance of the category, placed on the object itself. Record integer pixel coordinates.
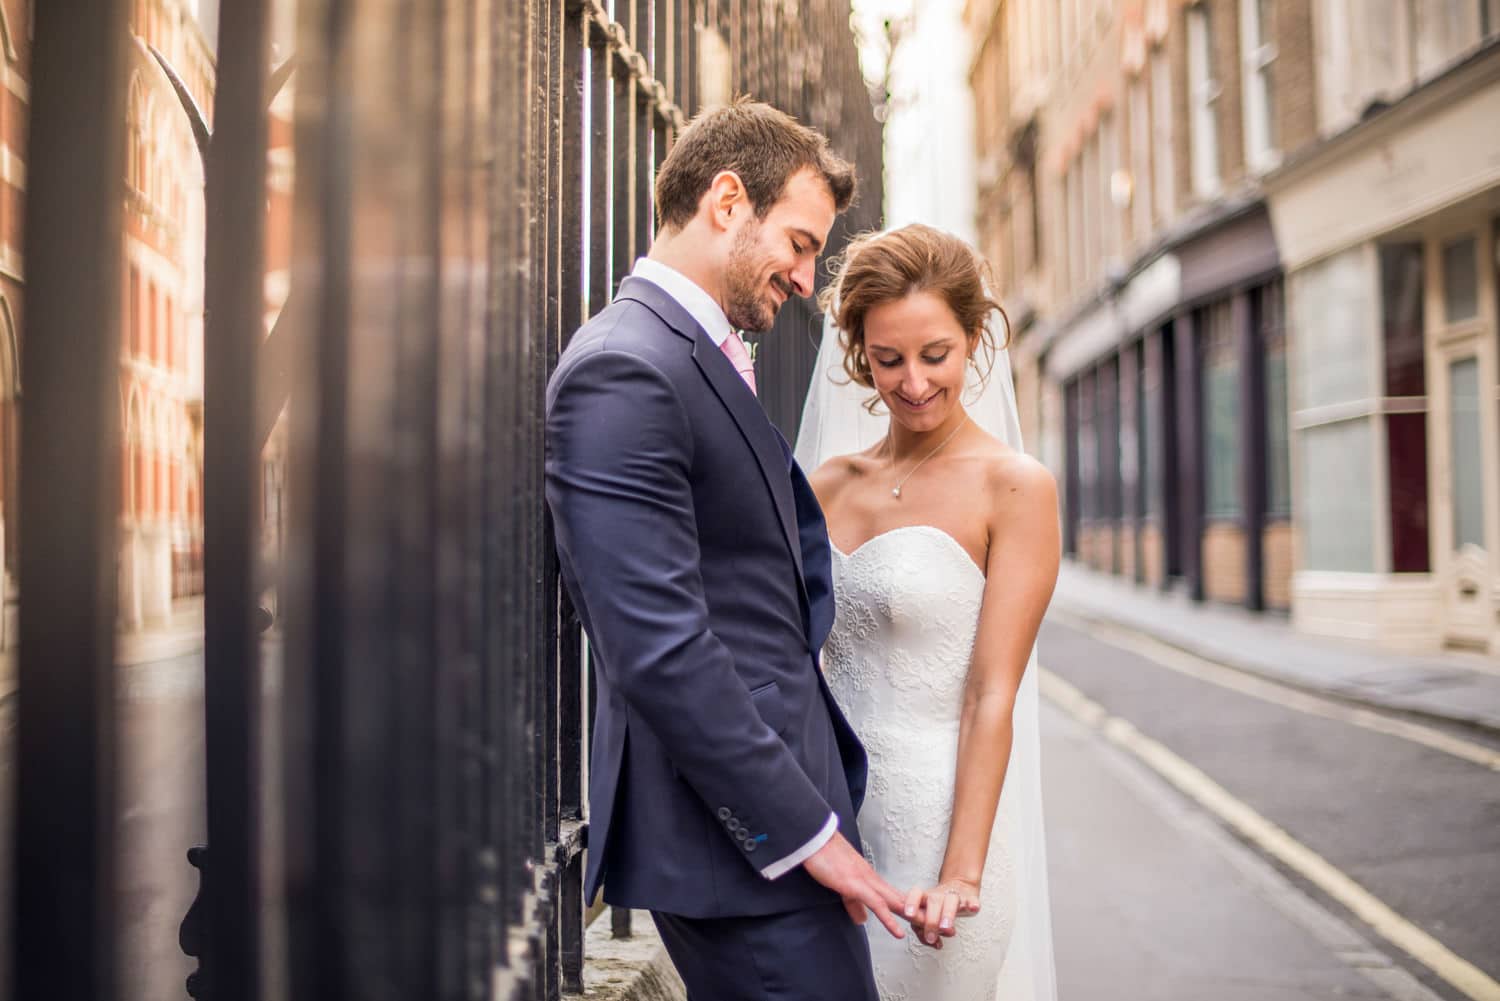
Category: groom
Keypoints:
(724, 779)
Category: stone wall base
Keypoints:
(632, 969)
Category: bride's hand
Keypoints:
(934, 910)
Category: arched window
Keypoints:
(135, 165)
(10, 368)
(153, 319)
(133, 333)
(10, 390)
(169, 332)
(135, 484)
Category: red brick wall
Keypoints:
(1224, 563)
(1277, 561)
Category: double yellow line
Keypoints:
(1274, 841)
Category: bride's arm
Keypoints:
(1021, 570)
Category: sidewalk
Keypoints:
(158, 641)
(1462, 688)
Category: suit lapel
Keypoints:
(742, 405)
(757, 431)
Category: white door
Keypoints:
(1462, 419)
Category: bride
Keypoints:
(945, 552)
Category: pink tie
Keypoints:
(739, 356)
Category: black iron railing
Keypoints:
(397, 785)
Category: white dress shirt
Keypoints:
(689, 295)
(701, 307)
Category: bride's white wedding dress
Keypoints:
(908, 608)
(908, 603)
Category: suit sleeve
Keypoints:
(619, 457)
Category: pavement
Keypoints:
(158, 641)
(1459, 688)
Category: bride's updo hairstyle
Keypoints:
(885, 267)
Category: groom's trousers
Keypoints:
(813, 954)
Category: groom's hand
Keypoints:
(844, 871)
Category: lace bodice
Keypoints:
(908, 604)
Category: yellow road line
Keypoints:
(1467, 978)
(1203, 669)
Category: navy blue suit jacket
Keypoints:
(698, 560)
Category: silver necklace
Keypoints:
(896, 490)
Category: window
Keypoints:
(1090, 210)
(1257, 34)
(1268, 305)
(153, 324)
(134, 342)
(1088, 458)
(1401, 302)
(1035, 194)
(1461, 280)
(1107, 432)
(1150, 424)
(1203, 93)
(1140, 161)
(1467, 470)
(1445, 30)
(1108, 214)
(1336, 517)
(1075, 228)
(1163, 191)
(1221, 415)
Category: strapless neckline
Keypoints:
(929, 529)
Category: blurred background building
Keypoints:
(1249, 249)
(161, 377)
(160, 558)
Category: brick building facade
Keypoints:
(162, 306)
(1128, 157)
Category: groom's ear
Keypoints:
(728, 200)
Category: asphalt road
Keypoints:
(160, 816)
(1158, 895)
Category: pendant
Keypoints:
(896, 492)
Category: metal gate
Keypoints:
(396, 770)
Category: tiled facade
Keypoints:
(1133, 157)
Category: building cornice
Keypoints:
(1196, 223)
(1474, 71)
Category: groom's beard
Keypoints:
(748, 303)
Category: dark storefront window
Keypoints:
(1107, 434)
(1268, 305)
(1401, 302)
(1148, 423)
(1221, 412)
(1088, 458)
(1072, 488)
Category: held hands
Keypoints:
(933, 911)
(844, 871)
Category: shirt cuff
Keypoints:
(783, 866)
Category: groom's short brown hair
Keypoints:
(761, 144)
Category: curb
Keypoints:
(630, 969)
(1483, 723)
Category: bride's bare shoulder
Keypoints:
(839, 472)
(1017, 482)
